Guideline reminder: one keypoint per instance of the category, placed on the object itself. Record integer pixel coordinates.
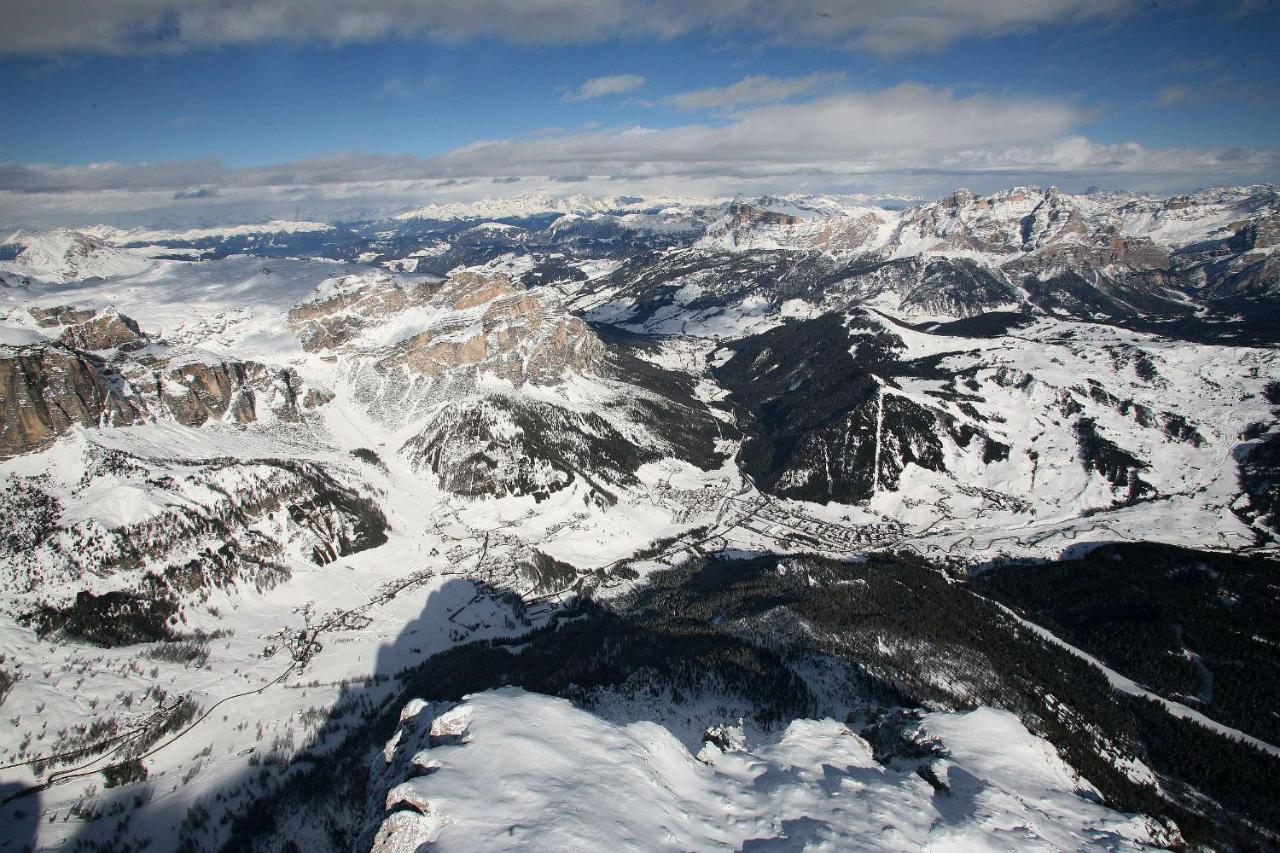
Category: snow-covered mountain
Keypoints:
(637, 786)
(754, 497)
(161, 236)
(523, 206)
(64, 255)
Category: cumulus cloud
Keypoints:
(752, 90)
(908, 138)
(881, 26)
(599, 87)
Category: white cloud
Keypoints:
(881, 26)
(906, 124)
(756, 89)
(908, 138)
(599, 87)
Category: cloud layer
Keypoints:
(755, 89)
(911, 138)
(36, 27)
(599, 87)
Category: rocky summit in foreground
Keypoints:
(777, 523)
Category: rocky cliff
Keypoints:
(96, 375)
(49, 389)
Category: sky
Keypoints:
(132, 112)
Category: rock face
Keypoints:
(516, 337)
(197, 393)
(473, 323)
(1260, 234)
(48, 389)
(60, 315)
(346, 306)
(846, 234)
(105, 331)
(1038, 229)
(746, 213)
(967, 222)
(407, 347)
(1249, 274)
(499, 444)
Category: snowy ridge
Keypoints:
(186, 235)
(509, 770)
(64, 255)
(531, 205)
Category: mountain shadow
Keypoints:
(769, 635)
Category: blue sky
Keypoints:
(396, 102)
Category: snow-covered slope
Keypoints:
(509, 770)
(64, 255)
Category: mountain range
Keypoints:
(894, 525)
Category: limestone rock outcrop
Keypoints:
(108, 330)
(46, 390)
(516, 335)
(470, 323)
(60, 315)
(347, 306)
